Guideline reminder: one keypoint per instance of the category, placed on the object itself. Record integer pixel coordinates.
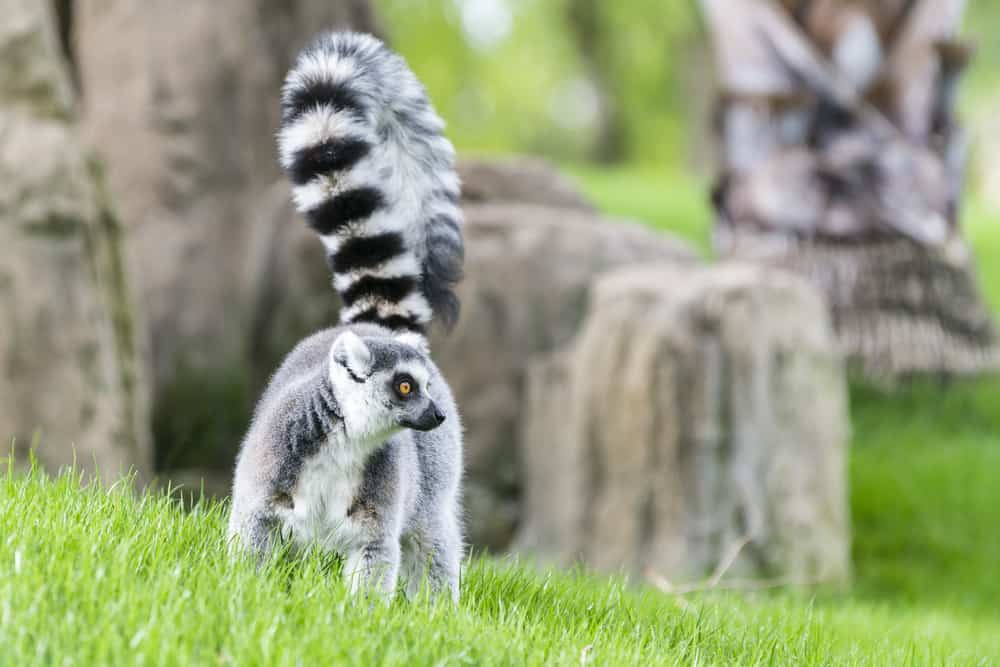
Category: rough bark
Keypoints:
(697, 408)
(900, 309)
(72, 383)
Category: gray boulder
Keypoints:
(524, 180)
(699, 416)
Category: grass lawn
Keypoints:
(100, 576)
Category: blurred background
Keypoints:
(730, 296)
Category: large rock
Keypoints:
(183, 106)
(700, 413)
(523, 180)
(528, 275)
(71, 381)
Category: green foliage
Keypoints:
(982, 27)
(92, 575)
(656, 57)
(200, 417)
(505, 97)
(653, 53)
(493, 100)
(981, 227)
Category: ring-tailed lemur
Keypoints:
(356, 446)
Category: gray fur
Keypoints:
(336, 458)
(322, 468)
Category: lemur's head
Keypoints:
(381, 384)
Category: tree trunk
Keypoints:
(842, 159)
(72, 383)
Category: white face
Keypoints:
(381, 384)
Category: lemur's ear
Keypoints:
(351, 352)
(414, 339)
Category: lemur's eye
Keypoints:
(404, 385)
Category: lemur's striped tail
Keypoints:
(373, 175)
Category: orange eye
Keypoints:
(404, 388)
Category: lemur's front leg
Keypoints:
(374, 568)
(255, 530)
(377, 514)
(295, 426)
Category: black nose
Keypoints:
(438, 416)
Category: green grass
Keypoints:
(667, 199)
(100, 576)
(925, 495)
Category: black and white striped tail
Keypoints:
(375, 178)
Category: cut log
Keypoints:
(698, 423)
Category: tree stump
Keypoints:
(528, 273)
(699, 417)
(72, 383)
